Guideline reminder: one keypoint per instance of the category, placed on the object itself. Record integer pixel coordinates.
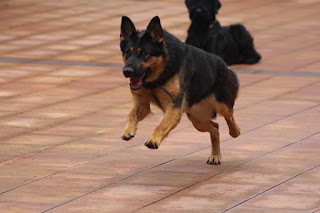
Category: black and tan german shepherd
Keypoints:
(178, 78)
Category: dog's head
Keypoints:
(143, 52)
(203, 11)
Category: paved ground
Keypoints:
(64, 104)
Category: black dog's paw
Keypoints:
(151, 145)
(127, 137)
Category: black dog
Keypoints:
(178, 78)
(232, 43)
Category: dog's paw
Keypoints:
(235, 132)
(151, 144)
(214, 159)
(127, 135)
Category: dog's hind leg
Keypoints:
(227, 113)
(215, 157)
(204, 124)
(140, 109)
(234, 130)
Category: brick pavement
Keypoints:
(64, 104)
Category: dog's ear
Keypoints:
(217, 6)
(186, 2)
(154, 29)
(127, 28)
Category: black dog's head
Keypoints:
(143, 52)
(203, 11)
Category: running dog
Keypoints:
(178, 78)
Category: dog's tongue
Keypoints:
(135, 83)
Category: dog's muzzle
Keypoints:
(135, 82)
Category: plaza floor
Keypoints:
(64, 103)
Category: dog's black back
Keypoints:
(233, 43)
(201, 74)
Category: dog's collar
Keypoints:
(214, 23)
(153, 85)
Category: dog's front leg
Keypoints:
(170, 120)
(140, 109)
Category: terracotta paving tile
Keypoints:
(300, 186)
(8, 207)
(8, 93)
(40, 194)
(24, 172)
(14, 73)
(221, 190)
(6, 48)
(88, 204)
(23, 87)
(277, 201)
(68, 130)
(55, 113)
(26, 122)
(27, 42)
(189, 204)
(50, 79)
(246, 176)
(50, 36)
(131, 192)
(307, 93)
(166, 178)
(102, 119)
(39, 68)
(78, 105)
(313, 67)
(6, 113)
(9, 183)
(63, 92)
(52, 159)
(11, 151)
(76, 72)
(37, 97)
(279, 107)
(10, 131)
(89, 146)
(262, 210)
(45, 140)
(248, 79)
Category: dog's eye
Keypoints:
(144, 55)
(127, 54)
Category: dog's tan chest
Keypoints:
(160, 98)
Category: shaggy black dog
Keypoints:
(232, 43)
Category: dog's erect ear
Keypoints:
(217, 6)
(127, 28)
(186, 2)
(154, 29)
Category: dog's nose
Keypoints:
(198, 10)
(127, 72)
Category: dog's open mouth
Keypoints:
(137, 82)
